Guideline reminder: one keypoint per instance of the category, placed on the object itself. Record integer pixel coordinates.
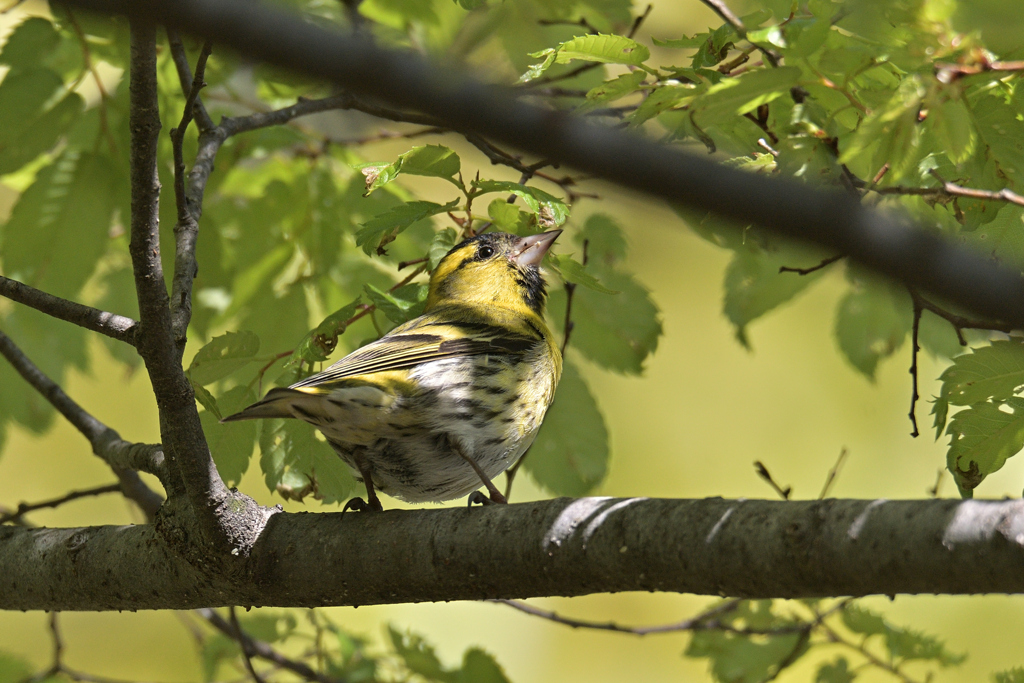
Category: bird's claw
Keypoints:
(359, 505)
(478, 498)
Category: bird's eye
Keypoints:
(486, 252)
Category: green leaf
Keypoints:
(1002, 238)
(431, 160)
(217, 649)
(480, 667)
(872, 321)
(607, 49)
(955, 130)
(222, 356)
(119, 297)
(419, 656)
(684, 42)
(738, 658)
(536, 70)
(509, 218)
(1014, 675)
(41, 134)
(296, 463)
(316, 346)
(270, 627)
(982, 438)
(905, 644)
(248, 283)
(739, 95)
(575, 272)
(404, 303)
(1002, 132)
(14, 669)
(435, 161)
(23, 96)
(231, 443)
(31, 41)
(891, 130)
(618, 87)
(754, 286)
(551, 211)
(382, 229)
(60, 226)
(332, 478)
(862, 620)
(835, 672)
(617, 332)
(570, 455)
(989, 372)
(443, 242)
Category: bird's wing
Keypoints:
(421, 341)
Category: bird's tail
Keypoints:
(277, 403)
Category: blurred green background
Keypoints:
(691, 427)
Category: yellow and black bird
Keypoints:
(451, 399)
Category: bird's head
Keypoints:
(493, 269)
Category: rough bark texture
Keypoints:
(745, 548)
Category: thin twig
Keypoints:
(243, 642)
(260, 649)
(180, 57)
(946, 73)
(91, 67)
(959, 322)
(832, 473)
(834, 637)
(948, 189)
(110, 324)
(722, 10)
(915, 348)
(807, 271)
(763, 472)
(25, 508)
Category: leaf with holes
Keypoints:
(982, 438)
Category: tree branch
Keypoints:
(122, 456)
(25, 508)
(186, 229)
(202, 117)
(742, 548)
(830, 219)
(191, 467)
(112, 325)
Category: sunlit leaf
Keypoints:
(222, 356)
(551, 211)
(381, 230)
(989, 372)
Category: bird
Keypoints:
(447, 401)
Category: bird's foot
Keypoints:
(478, 498)
(360, 505)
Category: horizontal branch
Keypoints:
(831, 219)
(741, 548)
(112, 325)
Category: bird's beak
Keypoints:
(529, 251)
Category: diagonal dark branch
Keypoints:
(258, 648)
(112, 325)
(247, 652)
(25, 508)
(833, 220)
(186, 229)
(202, 117)
(122, 456)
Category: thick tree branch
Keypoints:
(743, 548)
(191, 467)
(831, 219)
(112, 325)
(122, 456)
